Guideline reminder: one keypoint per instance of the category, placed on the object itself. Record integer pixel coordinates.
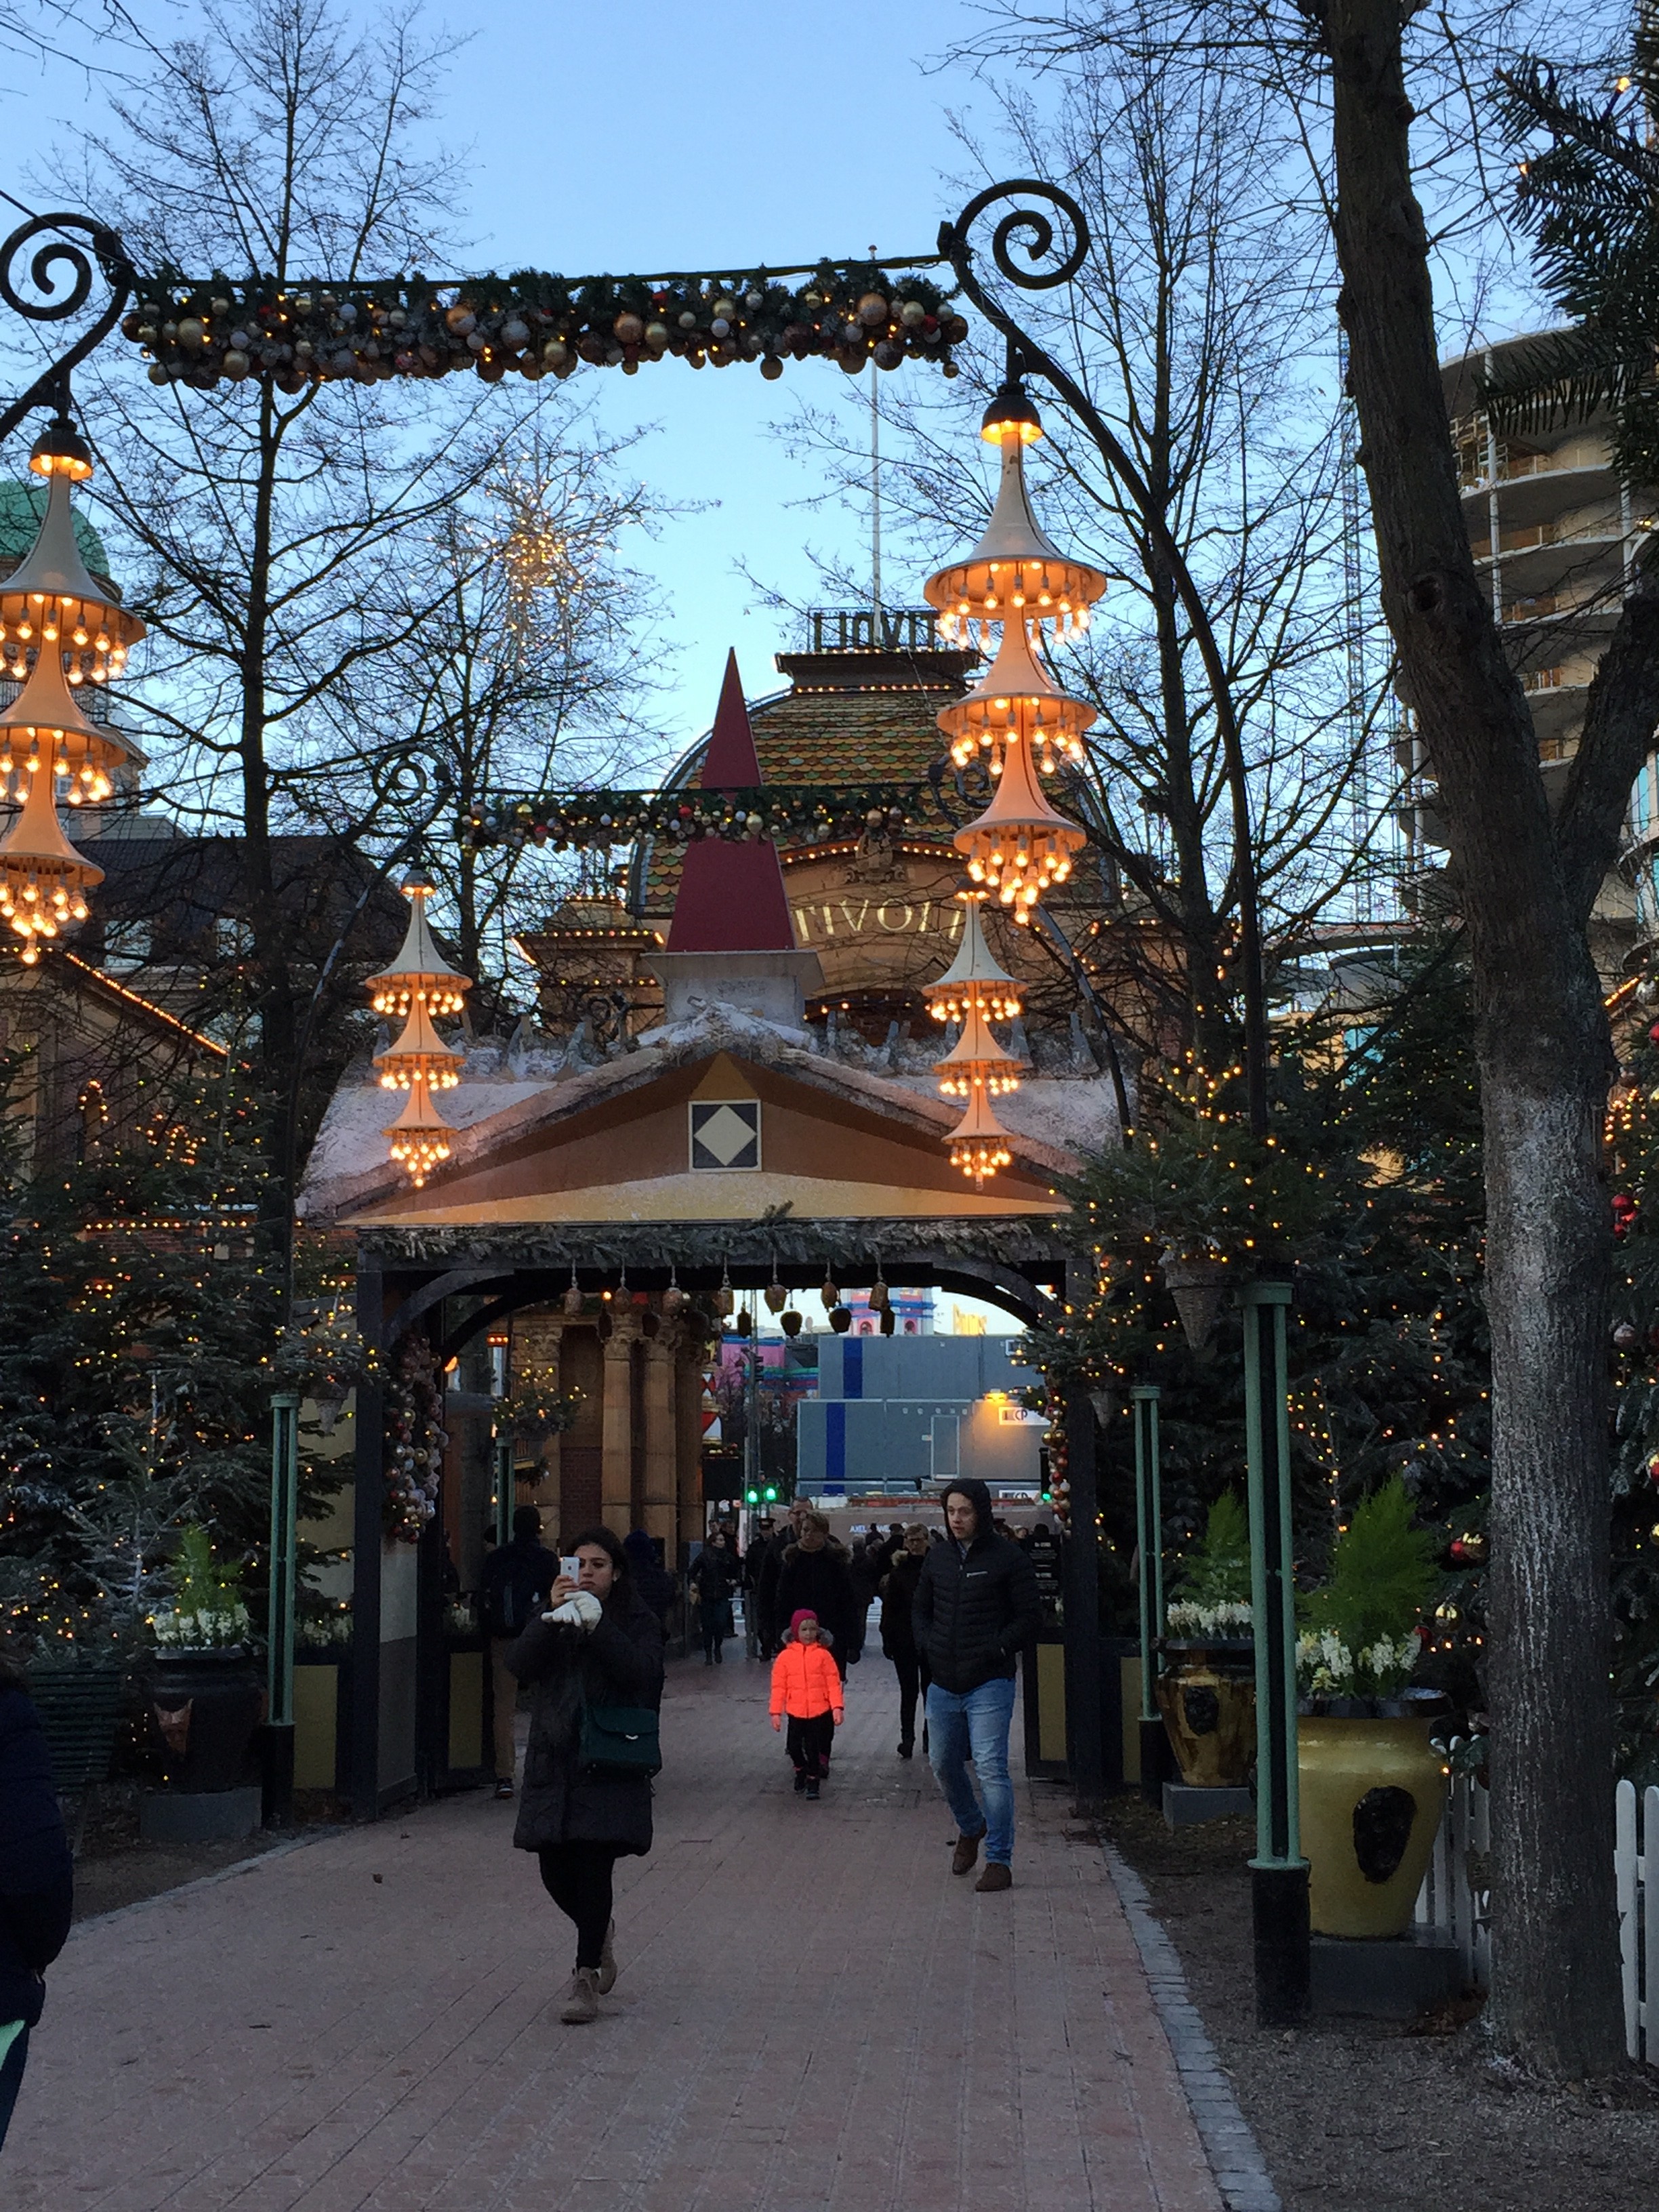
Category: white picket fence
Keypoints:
(1455, 1897)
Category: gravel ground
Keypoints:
(1364, 2116)
(114, 1867)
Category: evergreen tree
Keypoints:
(136, 1326)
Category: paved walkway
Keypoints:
(812, 2016)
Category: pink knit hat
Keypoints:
(796, 1619)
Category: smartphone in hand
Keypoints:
(570, 1568)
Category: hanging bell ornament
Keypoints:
(745, 1323)
(724, 1298)
(829, 1294)
(840, 1319)
(574, 1300)
(673, 1297)
(789, 1322)
(775, 1296)
(889, 1321)
(878, 1299)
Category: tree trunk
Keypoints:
(1545, 1059)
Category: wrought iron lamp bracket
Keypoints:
(34, 262)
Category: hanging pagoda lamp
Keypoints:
(973, 978)
(420, 1054)
(44, 735)
(979, 1143)
(1015, 699)
(1019, 848)
(1015, 571)
(976, 1060)
(51, 598)
(420, 1135)
(420, 974)
(44, 881)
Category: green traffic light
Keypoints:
(752, 1497)
(771, 1493)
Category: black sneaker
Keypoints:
(907, 1749)
(800, 1780)
(812, 1791)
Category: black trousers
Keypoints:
(809, 1743)
(913, 1677)
(714, 1629)
(577, 1877)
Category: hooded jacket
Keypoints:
(805, 1681)
(973, 1614)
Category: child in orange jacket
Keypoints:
(807, 1685)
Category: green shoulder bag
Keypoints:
(620, 1740)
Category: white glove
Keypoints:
(581, 1609)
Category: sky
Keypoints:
(655, 135)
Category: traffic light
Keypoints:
(752, 1497)
(771, 1494)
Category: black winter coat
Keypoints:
(37, 1876)
(898, 1630)
(618, 1662)
(822, 1582)
(973, 1615)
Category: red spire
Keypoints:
(731, 897)
(731, 762)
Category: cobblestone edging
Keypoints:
(1240, 2171)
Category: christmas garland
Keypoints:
(415, 1442)
(198, 332)
(571, 820)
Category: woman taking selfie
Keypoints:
(593, 1663)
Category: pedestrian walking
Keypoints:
(898, 1631)
(651, 1580)
(37, 1878)
(807, 1686)
(976, 1607)
(512, 1591)
(816, 1574)
(594, 1665)
(768, 1618)
(713, 1577)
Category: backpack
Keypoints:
(515, 1588)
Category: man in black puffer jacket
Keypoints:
(36, 1878)
(976, 1607)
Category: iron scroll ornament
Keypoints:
(1030, 226)
(41, 269)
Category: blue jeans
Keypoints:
(974, 1724)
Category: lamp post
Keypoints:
(278, 1809)
(1149, 1538)
(1278, 1873)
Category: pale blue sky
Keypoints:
(656, 135)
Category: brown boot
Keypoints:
(581, 1999)
(607, 1981)
(995, 1876)
(966, 1852)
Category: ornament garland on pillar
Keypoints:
(419, 984)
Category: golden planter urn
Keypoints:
(1207, 1699)
(1372, 1792)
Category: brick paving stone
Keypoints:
(813, 2016)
